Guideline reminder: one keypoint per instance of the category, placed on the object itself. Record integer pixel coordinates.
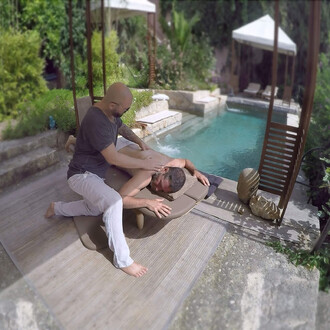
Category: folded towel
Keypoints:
(214, 183)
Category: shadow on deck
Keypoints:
(82, 289)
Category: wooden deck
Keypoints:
(82, 288)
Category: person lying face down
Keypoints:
(170, 178)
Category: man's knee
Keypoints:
(112, 199)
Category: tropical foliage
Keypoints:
(113, 70)
(133, 50)
(20, 70)
(318, 162)
(179, 64)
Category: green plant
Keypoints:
(61, 108)
(20, 70)
(179, 64)
(319, 130)
(113, 70)
(140, 99)
(180, 30)
(179, 33)
(9, 15)
(47, 18)
(132, 33)
(79, 43)
(167, 68)
(319, 259)
(34, 116)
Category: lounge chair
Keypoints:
(252, 89)
(91, 229)
(266, 94)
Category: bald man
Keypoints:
(95, 150)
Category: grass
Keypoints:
(319, 259)
(58, 103)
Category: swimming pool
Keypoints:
(223, 144)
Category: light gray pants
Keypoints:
(99, 198)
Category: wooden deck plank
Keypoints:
(82, 287)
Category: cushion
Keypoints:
(160, 97)
(91, 229)
(190, 180)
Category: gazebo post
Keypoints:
(151, 46)
(103, 47)
(286, 70)
(233, 64)
(89, 50)
(284, 144)
(73, 79)
(292, 74)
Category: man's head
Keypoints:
(169, 180)
(118, 99)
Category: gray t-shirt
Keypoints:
(95, 134)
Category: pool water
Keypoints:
(223, 145)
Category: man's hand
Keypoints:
(202, 178)
(158, 207)
(144, 146)
(151, 164)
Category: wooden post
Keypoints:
(73, 79)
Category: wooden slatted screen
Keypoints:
(280, 154)
(283, 144)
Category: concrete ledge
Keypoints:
(17, 168)
(294, 108)
(154, 107)
(151, 119)
(12, 148)
(247, 285)
(190, 101)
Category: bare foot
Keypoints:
(70, 143)
(50, 211)
(135, 270)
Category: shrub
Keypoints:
(319, 136)
(34, 117)
(140, 99)
(132, 33)
(179, 64)
(319, 130)
(319, 259)
(20, 70)
(113, 70)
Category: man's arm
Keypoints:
(128, 134)
(112, 156)
(139, 181)
(186, 163)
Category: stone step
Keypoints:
(160, 122)
(154, 107)
(186, 116)
(202, 107)
(13, 148)
(156, 117)
(17, 168)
